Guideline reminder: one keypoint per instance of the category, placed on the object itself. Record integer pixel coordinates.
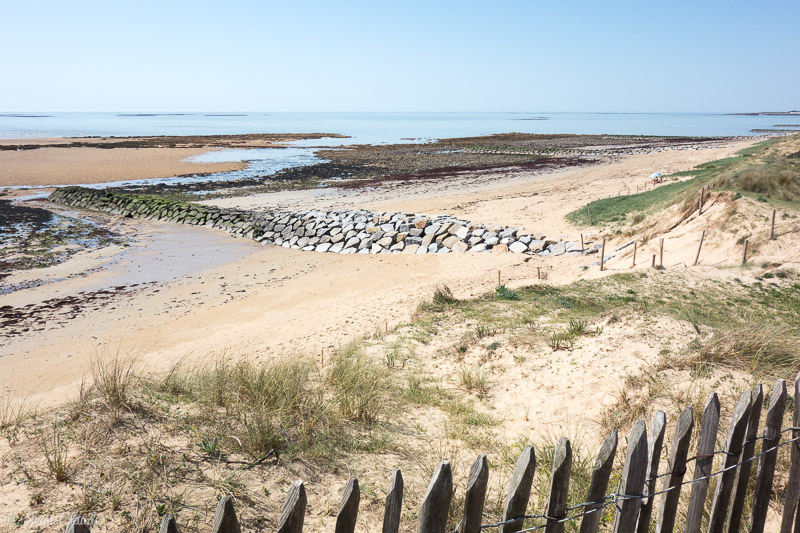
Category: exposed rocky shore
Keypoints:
(345, 232)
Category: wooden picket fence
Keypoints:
(634, 500)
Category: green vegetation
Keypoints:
(754, 328)
(757, 171)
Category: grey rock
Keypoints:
(518, 247)
(537, 245)
(557, 249)
(460, 247)
(323, 247)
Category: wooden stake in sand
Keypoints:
(538, 272)
(603, 256)
(498, 278)
(581, 242)
(700, 247)
(661, 253)
(772, 228)
(387, 326)
(744, 256)
(634, 254)
(653, 264)
(322, 357)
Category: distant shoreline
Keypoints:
(768, 114)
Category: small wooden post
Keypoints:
(591, 220)
(168, 524)
(661, 253)
(700, 247)
(436, 503)
(793, 484)
(603, 256)
(634, 254)
(766, 464)
(743, 472)
(677, 468)
(538, 272)
(653, 264)
(582, 247)
(559, 487)
(498, 278)
(294, 510)
(633, 476)
(348, 510)
(744, 256)
(322, 357)
(733, 448)
(519, 490)
(772, 228)
(387, 327)
(394, 503)
(703, 464)
(599, 484)
(77, 524)
(657, 429)
(225, 520)
(475, 496)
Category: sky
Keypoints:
(159, 56)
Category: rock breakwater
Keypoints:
(344, 232)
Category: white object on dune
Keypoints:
(655, 175)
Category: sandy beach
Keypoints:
(274, 301)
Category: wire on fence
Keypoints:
(612, 499)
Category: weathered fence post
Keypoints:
(766, 464)
(703, 464)
(654, 454)
(348, 510)
(436, 503)
(559, 487)
(677, 469)
(394, 503)
(772, 227)
(475, 497)
(743, 474)
(294, 510)
(699, 247)
(599, 484)
(733, 449)
(519, 490)
(793, 484)
(661, 253)
(77, 524)
(168, 525)
(225, 520)
(634, 254)
(603, 256)
(633, 476)
(744, 256)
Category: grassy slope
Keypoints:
(754, 172)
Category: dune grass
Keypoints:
(756, 170)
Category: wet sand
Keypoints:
(72, 161)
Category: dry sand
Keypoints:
(275, 301)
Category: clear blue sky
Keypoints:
(116, 55)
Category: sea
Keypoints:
(378, 128)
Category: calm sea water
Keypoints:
(376, 128)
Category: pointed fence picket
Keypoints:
(633, 501)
